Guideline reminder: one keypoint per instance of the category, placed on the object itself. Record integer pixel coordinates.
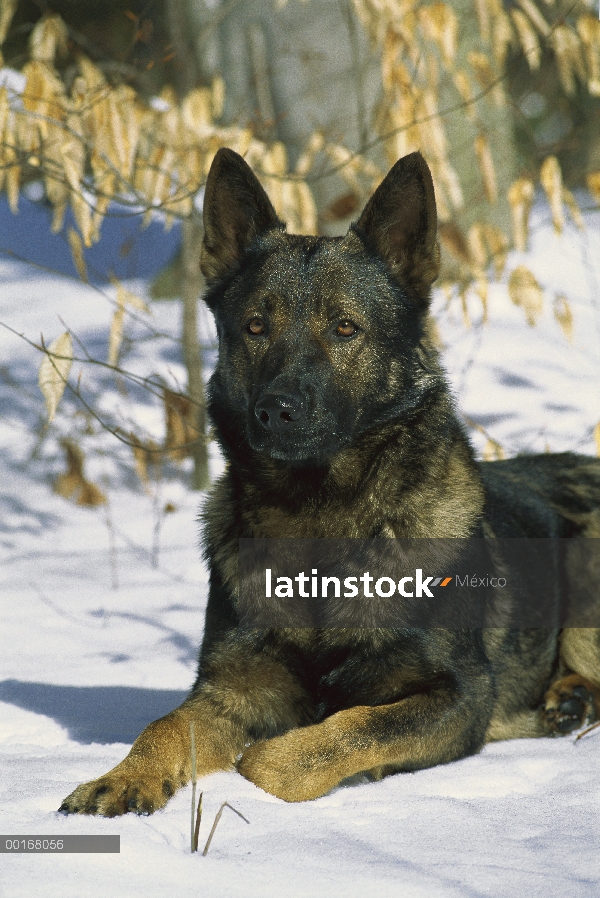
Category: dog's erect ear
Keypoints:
(400, 224)
(236, 211)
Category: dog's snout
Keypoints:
(277, 411)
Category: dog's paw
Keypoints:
(568, 705)
(284, 768)
(116, 794)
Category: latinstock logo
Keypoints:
(385, 587)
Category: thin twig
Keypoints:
(197, 827)
(594, 726)
(193, 751)
(217, 818)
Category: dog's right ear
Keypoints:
(236, 211)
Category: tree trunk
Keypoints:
(191, 234)
(188, 76)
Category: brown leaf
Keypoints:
(551, 180)
(493, 451)
(564, 315)
(588, 27)
(54, 371)
(7, 11)
(77, 254)
(453, 240)
(497, 243)
(525, 292)
(48, 39)
(342, 207)
(520, 198)
(567, 49)
(72, 484)
(180, 424)
(486, 166)
(90, 495)
(145, 455)
(527, 38)
(593, 183)
(115, 337)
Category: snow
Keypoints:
(102, 613)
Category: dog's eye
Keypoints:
(346, 329)
(256, 327)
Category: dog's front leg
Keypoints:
(419, 731)
(159, 762)
(242, 695)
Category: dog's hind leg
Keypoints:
(574, 699)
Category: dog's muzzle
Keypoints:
(280, 413)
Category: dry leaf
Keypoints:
(90, 495)
(307, 208)
(307, 157)
(342, 207)
(502, 37)
(493, 451)
(440, 25)
(567, 49)
(527, 38)
(7, 11)
(588, 27)
(520, 198)
(72, 484)
(127, 298)
(48, 38)
(535, 16)
(497, 243)
(478, 253)
(145, 456)
(564, 315)
(551, 179)
(593, 183)
(597, 437)
(486, 76)
(481, 287)
(54, 371)
(453, 240)
(217, 96)
(77, 254)
(180, 424)
(483, 17)
(525, 292)
(486, 165)
(115, 337)
(465, 309)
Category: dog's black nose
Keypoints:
(277, 411)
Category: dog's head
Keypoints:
(320, 339)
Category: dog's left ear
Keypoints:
(399, 223)
(236, 210)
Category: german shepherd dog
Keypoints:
(336, 422)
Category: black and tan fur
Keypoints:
(336, 421)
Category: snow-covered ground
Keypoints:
(102, 613)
